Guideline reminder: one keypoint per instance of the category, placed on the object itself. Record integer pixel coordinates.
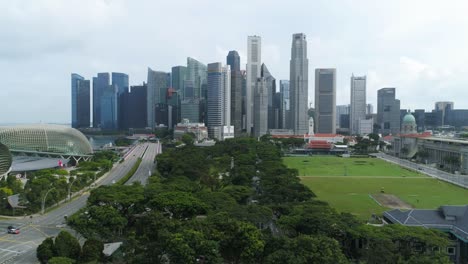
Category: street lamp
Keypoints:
(44, 200)
(69, 188)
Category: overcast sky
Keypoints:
(419, 47)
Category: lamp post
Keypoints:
(44, 200)
(69, 188)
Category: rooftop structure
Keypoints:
(46, 140)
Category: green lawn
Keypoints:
(336, 166)
(324, 176)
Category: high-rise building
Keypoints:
(158, 83)
(219, 101)
(271, 90)
(190, 110)
(358, 103)
(179, 74)
(299, 84)
(388, 111)
(444, 107)
(285, 116)
(100, 83)
(120, 80)
(196, 75)
(261, 108)
(369, 109)
(244, 100)
(254, 62)
(80, 89)
(109, 108)
(341, 110)
(233, 60)
(133, 107)
(325, 101)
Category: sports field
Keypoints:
(352, 193)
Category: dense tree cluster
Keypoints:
(236, 202)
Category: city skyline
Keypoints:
(393, 53)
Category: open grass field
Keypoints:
(336, 166)
(352, 193)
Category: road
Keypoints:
(460, 180)
(22, 248)
(146, 166)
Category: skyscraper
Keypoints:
(120, 80)
(254, 62)
(100, 83)
(178, 75)
(233, 60)
(299, 84)
(80, 89)
(325, 101)
(271, 90)
(196, 75)
(133, 106)
(261, 108)
(341, 110)
(109, 108)
(218, 99)
(158, 83)
(388, 111)
(285, 115)
(358, 103)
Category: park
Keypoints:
(366, 186)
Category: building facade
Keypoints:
(285, 115)
(109, 108)
(358, 103)
(133, 106)
(100, 83)
(254, 62)
(233, 60)
(341, 110)
(158, 83)
(219, 101)
(190, 110)
(197, 78)
(271, 89)
(261, 108)
(299, 84)
(388, 111)
(81, 99)
(325, 101)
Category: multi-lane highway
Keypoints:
(146, 166)
(21, 248)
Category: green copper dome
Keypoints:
(409, 118)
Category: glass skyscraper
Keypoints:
(233, 60)
(299, 84)
(158, 83)
(325, 101)
(80, 101)
(101, 82)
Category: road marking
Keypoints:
(8, 250)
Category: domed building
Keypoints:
(5, 160)
(408, 126)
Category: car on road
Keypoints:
(13, 230)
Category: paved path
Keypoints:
(22, 248)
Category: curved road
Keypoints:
(22, 248)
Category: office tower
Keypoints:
(369, 109)
(173, 107)
(358, 103)
(444, 107)
(254, 62)
(80, 101)
(179, 74)
(277, 110)
(285, 115)
(100, 83)
(190, 109)
(388, 111)
(109, 108)
(120, 80)
(299, 84)
(133, 107)
(196, 79)
(233, 60)
(261, 108)
(341, 110)
(218, 101)
(420, 119)
(325, 101)
(158, 83)
(244, 100)
(271, 90)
